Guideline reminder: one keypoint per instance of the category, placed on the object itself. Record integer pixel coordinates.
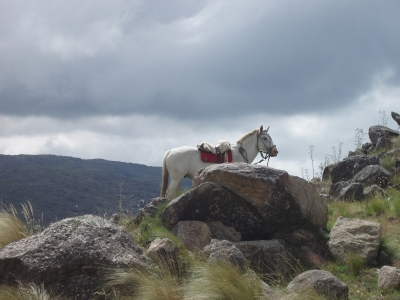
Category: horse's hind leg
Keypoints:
(173, 188)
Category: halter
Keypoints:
(263, 154)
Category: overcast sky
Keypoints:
(128, 80)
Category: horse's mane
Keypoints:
(246, 136)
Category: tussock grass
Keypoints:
(144, 284)
(223, 281)
(150, 228)
(12, 229)
(27, 292)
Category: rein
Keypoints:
(263, 154)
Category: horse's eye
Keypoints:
(264, 138)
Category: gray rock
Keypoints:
(255, 200)
(366, 147)
(396, 117)
(211, 202)
(337, 187)
(298, 237)
(327, 198)
(323, 282)
(389, 278)
(195, 235)
(372, 191)
(381, 136)
(263, 187)
(372, 175)
(165, 253)
(353, 191)
(326, 174)
(355, 237)
(226, 252)
(150, 209)
(266, 256)
(70, 256)
(347, 168)
(221, 232)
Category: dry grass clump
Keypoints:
(27, 292)
(223, 281)
(12, 229)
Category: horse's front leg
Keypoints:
(173, 189)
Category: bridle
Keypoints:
(263, 154)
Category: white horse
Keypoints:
(185, 161)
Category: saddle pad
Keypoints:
(213, 158)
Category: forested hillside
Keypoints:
(60, 187)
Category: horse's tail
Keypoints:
(165, 175)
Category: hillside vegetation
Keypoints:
(58, 187)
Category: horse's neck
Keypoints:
(250, 145)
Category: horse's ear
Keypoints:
(261, 128)
(267, 129)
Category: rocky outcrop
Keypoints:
(275, 194)
(372, 191)
(256, 201)
(70, 256)
(373, 174)
(355, 237)
(337, 187)
(381, 136)
(347, 168)
(353, 191)
(212, 202)
(322, 282)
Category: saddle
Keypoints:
(215, 154)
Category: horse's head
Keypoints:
(265, 140)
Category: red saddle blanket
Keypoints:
(214, 158)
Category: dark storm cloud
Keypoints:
(193, 59)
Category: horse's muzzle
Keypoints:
(273, 152)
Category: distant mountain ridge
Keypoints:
(60, 186)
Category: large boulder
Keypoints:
(322, 282)
(70, 256)
(353, 191)
(381, 136)
(337, 187)
(355, 237)
(347, 168)
(211, 202)
(256, 200)
(373, 175)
